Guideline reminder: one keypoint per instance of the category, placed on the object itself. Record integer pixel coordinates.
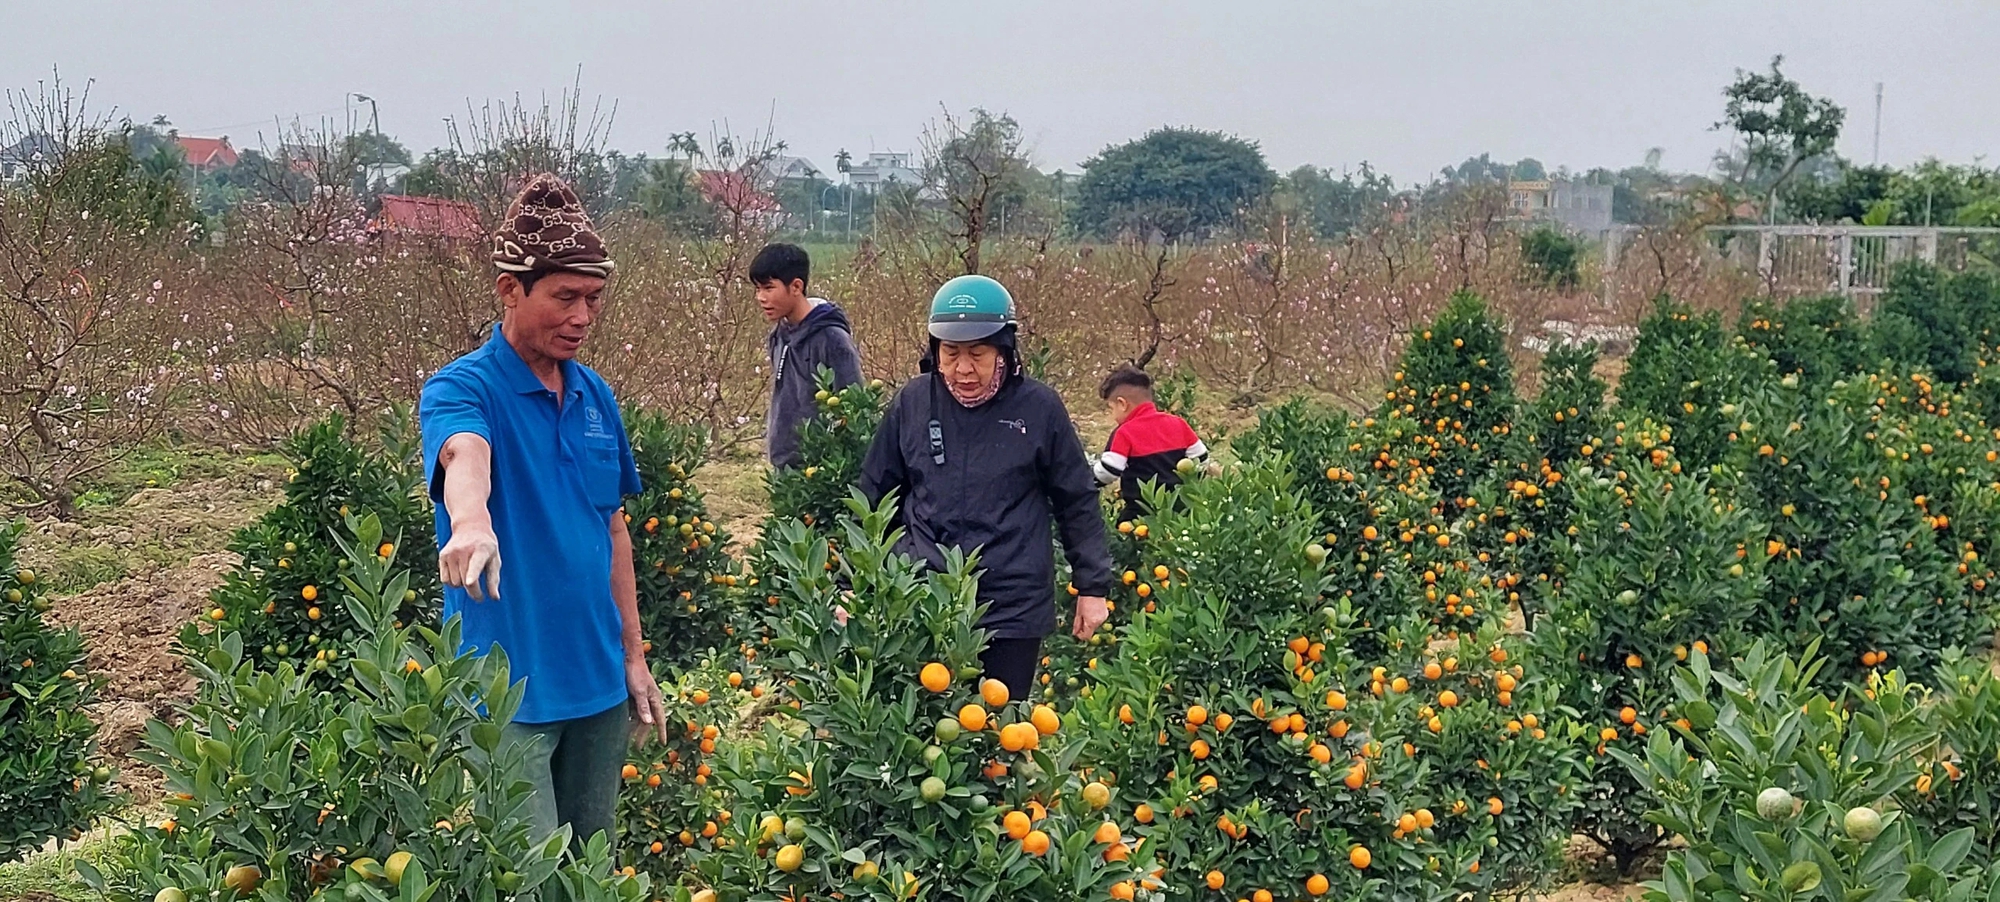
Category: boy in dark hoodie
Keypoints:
(984, 458)
(806, 333)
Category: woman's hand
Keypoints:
(1091, 612)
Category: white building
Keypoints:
(783, 168)
(884, 169)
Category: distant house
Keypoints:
(1574, 205)
(782, 168)
(734, 191)
(16, 159)
(881, 169)
(302, 158)
(207, 153)
(407, 216)
(389, 174)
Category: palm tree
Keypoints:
(685, 144)
(843, 161)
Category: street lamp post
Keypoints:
(374, 113)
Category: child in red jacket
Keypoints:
(1148, 444)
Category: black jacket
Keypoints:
(1011, 466)
(824, 338)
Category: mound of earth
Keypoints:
(130, 626)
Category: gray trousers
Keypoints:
(574, 767)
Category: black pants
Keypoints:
(1013, 662)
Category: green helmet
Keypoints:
(971, 308)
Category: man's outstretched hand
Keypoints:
(472, 554)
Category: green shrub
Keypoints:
(1523, 509)
(1957, 784)
(1659, 562)
(308, 794)
(1882, 512)
(689, 606)
(1819, 339)
(673, 806)
(1316, 444)
(49, 788)
(831, 447)
(285, 599)
(1455, 382)
(1552, 257)
(1683, 368)
(871, 796)
(1831, 764)
(1937, 321)
(1397, 545)
(1294, 689)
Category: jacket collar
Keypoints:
(1144, 410)
(522, 379)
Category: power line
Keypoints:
(275, 119)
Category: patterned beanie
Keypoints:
(547, 230)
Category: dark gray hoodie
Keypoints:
(823, 338)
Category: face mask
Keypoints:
(984, 395)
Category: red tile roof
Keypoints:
(434, 216)
(207, 153)
(734, 191)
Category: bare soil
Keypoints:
(163, 549)
(131, 626)
(1597, 892)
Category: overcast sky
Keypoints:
(1410, 86)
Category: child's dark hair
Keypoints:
(1126, 378)
(781, 263)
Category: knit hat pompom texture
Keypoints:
(547, 230)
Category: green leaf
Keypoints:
(1950, 850)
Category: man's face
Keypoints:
(778, 299)
(554, 318)
(967, 367)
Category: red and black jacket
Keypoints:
(1147, 447)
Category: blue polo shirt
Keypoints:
(560, 472)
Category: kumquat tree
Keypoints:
(1460, 541)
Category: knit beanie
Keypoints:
(546, 230)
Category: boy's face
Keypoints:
(1120, 406)
(778, 299)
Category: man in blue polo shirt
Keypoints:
(529, 463)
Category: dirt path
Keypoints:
(131, 626)
(1597, 892)
(162, 549)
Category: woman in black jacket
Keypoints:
(982, 457)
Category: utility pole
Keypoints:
(1875, 159)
